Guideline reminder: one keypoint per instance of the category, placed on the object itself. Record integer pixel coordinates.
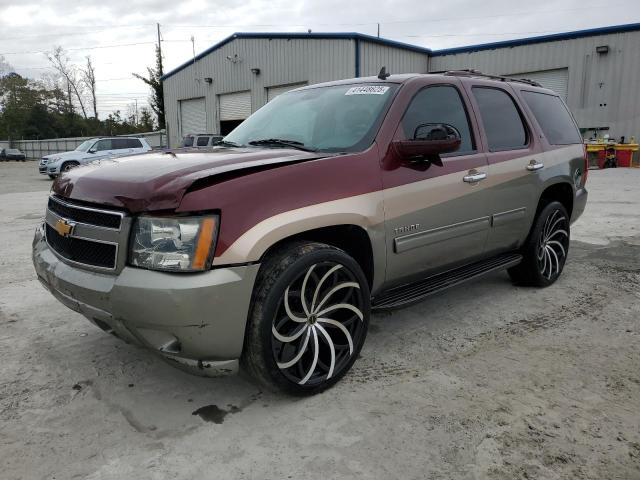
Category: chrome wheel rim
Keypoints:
(318, 324)
(553, 245)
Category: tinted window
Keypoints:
(441, 104)
(119, 144)
(102, 145)
(187, 142)
(203, 141)
(134, 143)
(501, 119)
(553, 117)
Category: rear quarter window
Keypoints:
(553, 117)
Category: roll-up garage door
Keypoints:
(273, 92)
(235, 106)
(556, 80)
(193, 116)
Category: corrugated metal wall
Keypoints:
(280, 61)
(603, 89)
(374, 56)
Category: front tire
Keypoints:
(545, 251)
(52, 177)
(66, 166)
(308, 320)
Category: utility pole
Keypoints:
(136, 117)
(378, 30)
(159, 50)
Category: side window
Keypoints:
(203, 141)
(553, 117)
(133, 143)
(501, 119)
(119, 144)
(439, 104)
(187, 142)
(102, 145)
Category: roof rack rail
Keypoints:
(475, 73)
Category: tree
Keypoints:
(155, 83)
(60, 61)
(89, 77)
(146, 123)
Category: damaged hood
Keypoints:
(158, 181)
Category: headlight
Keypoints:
(176, 244)
(53, 159)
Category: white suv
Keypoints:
(89, 150)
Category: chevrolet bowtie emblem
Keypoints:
(64, 228)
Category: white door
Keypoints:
(235, 106)
(273, 92)
(556, 79)
(193, 116)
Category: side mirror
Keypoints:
(92, 150)
(429, 141)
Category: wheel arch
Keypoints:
(559, 191)
(351, 238)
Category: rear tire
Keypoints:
(308, 319)
(545, 251)
(52, 177)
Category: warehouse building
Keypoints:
(222, 86)
(596, 71)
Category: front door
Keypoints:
(436, 217)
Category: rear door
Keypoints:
(512, 149)
(120, 147)
(436, 217)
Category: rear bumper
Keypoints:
(189, 318)
(579, 203)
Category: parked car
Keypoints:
(7, 154)
(201, 140)
(270, 252)
(90, 150)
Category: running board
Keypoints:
(412, 292)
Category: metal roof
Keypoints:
(406, 46)
(591, 32)
(299, 35)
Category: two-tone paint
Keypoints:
(419, 218)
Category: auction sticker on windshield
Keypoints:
(367, 90)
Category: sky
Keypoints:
(120, 35)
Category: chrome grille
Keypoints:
(90, 216)
(78, 250)
(87, 236)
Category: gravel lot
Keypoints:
(483, 381)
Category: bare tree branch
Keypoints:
(89, 77)
(60, 62)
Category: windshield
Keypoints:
(338, 118)
(84, 146)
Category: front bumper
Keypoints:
(195, 319)
(46, 169)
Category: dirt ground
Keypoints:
(486, 381)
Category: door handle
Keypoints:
(474, 176)
(534, 165)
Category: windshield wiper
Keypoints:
(281, 142)
(227, 144)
